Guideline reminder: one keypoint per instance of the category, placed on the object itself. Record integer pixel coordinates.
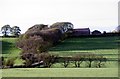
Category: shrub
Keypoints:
(2, 62)
(9, 63)
(78, 59)
(34, 44)
(43, 58)
(100, 59)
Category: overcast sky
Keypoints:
(95, 14)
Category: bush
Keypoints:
(1, 62)
(9, 63)
(78, 59)
(44, 59)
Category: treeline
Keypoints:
(14, 31)
(101, 35)
(47, 60)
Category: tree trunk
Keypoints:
(90, 64)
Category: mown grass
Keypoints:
(60, 72)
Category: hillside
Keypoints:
(9, 48)
(106, 46)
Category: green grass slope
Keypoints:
(98, 45)
(9, 48)
(107, 46)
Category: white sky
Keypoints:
(95, 14)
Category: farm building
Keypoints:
(96, 32)
(81, 31)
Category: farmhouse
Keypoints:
(81, 31)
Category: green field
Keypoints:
(9, 48)
(60, 72)
(107, 46)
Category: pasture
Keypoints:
(106, 46)
(60, 72)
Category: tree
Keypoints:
(63, 26)
(118, 29)
(6, 29)
(96, 32)
(78, 58)
(34, 45)
(37, 27)
(15, 30)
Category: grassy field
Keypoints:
(60, 72)
(106, 46)
(9, 48)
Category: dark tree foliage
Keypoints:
(96, 32)
(15, 30)
(63, 26)
(52, 35)
(37, 40)
(37, 27)
(44, 59)
(34, 44)
(6, 29)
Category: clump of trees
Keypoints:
(37, 40)
(6, 30)
(63, 26)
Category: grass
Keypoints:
(60, 72)
(107, 46)
(9, 48)
(86, 44)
